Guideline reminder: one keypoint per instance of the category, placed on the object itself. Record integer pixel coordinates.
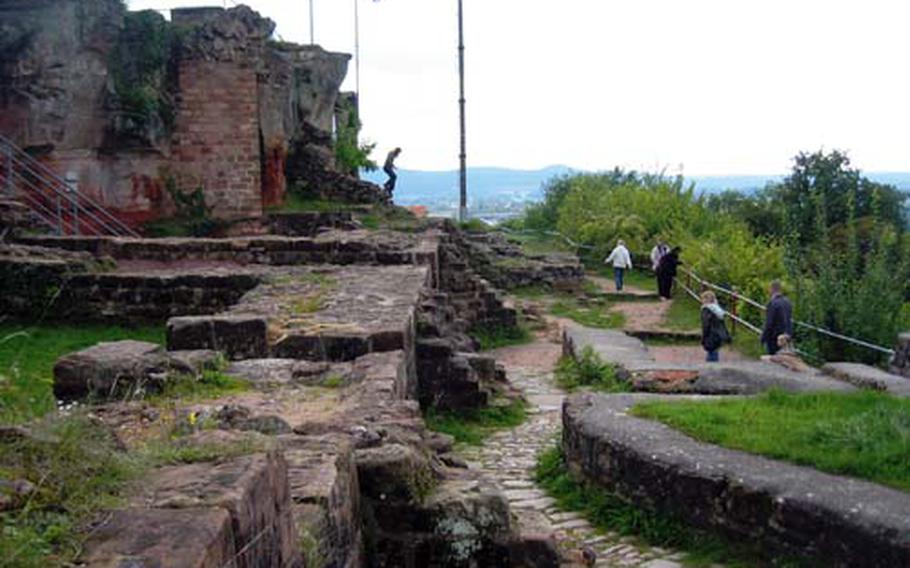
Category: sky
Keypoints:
(701, 87)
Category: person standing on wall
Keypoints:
(778, 320)
(621, 260)
(666, 272)
(713, 330)
(389, 169)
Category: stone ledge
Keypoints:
(864, 376)
(787, 507)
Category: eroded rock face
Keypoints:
(229, 104)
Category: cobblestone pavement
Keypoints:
(509, 457)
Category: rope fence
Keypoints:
(705, 284)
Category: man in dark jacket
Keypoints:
(778, 319)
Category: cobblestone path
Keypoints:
(509, 458)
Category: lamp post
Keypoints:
(463, 178)
(357, 47)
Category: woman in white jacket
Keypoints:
(621, 260)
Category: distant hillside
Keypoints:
(438, 188)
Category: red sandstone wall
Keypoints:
(216, 137)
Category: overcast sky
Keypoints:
(702, 86)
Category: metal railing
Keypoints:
(705, 284)
(54, 201)
(735, 296)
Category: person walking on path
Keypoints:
(621, 260)
(778, 320)
(666, 272)
(389, 169)
(713, 330)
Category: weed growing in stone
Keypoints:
(28, 354)
(473, 427)
(500, 336)
(610, 512)
(588, 371)
(863, 434)
(333, 382)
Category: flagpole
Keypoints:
(357, 48)
(312, 26)
(463, 179)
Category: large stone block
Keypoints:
(238, 337)
(253, 490)
(111, 370)
(151, 538)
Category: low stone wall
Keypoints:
(310, 223)
(789, 508)
(334, 247)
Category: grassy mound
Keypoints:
(865, 434)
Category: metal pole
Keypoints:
(312, 26)
(59, 214)
(357, 48)
(463, 206)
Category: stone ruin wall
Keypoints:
(241, 103)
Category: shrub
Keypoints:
(588, 371)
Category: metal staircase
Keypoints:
(53, 201)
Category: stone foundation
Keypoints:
(788, 508)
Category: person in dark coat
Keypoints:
(666, 272)
(713, 330)
(778, 319)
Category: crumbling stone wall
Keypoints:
(230, 104)
(217, 155)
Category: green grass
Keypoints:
(594, 314)
(588, 371)
(475, 225)
(684, 313)
(610, 512)
(28, 354)
(295, 203)
(210, 384)
(534, 244)
(500, 336)
(865, 434)
(472, 428)
(641, 279)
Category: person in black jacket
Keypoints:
(778, 319)
(666, 272)
(713, 330)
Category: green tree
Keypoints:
(830, 178)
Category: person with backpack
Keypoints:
(713, 330)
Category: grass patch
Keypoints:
(28, 354)
(610, 512)
(77, 472)
(534, 244)
(475, 225)
(595, 314)
(588, 371)
(296, 203)
(684, 313)
(209, 384)
(637, 278)
(865, 434)
(472, 428)
(495, 337)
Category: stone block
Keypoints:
(147, 538)
(111, 370)
(238, 337)
(254, 491)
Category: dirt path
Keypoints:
(509, 458)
